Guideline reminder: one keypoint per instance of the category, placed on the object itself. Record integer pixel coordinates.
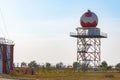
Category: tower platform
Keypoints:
(88, 33)
(6, 41)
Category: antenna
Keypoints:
(3, 26)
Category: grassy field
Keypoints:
(79, 76)
(68, 75)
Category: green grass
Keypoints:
(68, 74)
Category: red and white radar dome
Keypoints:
(89, 19)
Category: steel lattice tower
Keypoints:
(88, 44)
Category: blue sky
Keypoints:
(40, 28)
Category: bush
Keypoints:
(14, 73)
(109, 76)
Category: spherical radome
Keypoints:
(89, 19)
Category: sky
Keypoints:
(40, 28)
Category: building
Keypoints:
(6, 55)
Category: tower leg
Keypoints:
(88, 52)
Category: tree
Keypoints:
(48, 65)
(109, 67)
(76, 65)
(104, 65)
(33, 64)
(118, 67)
(23, 64)
(59, 65)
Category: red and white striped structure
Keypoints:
(6, 55)
(88, 40)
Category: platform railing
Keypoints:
(5, 41)
(103, 34)
(86, 34)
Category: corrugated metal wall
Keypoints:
(1, 60)
(6, 58)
